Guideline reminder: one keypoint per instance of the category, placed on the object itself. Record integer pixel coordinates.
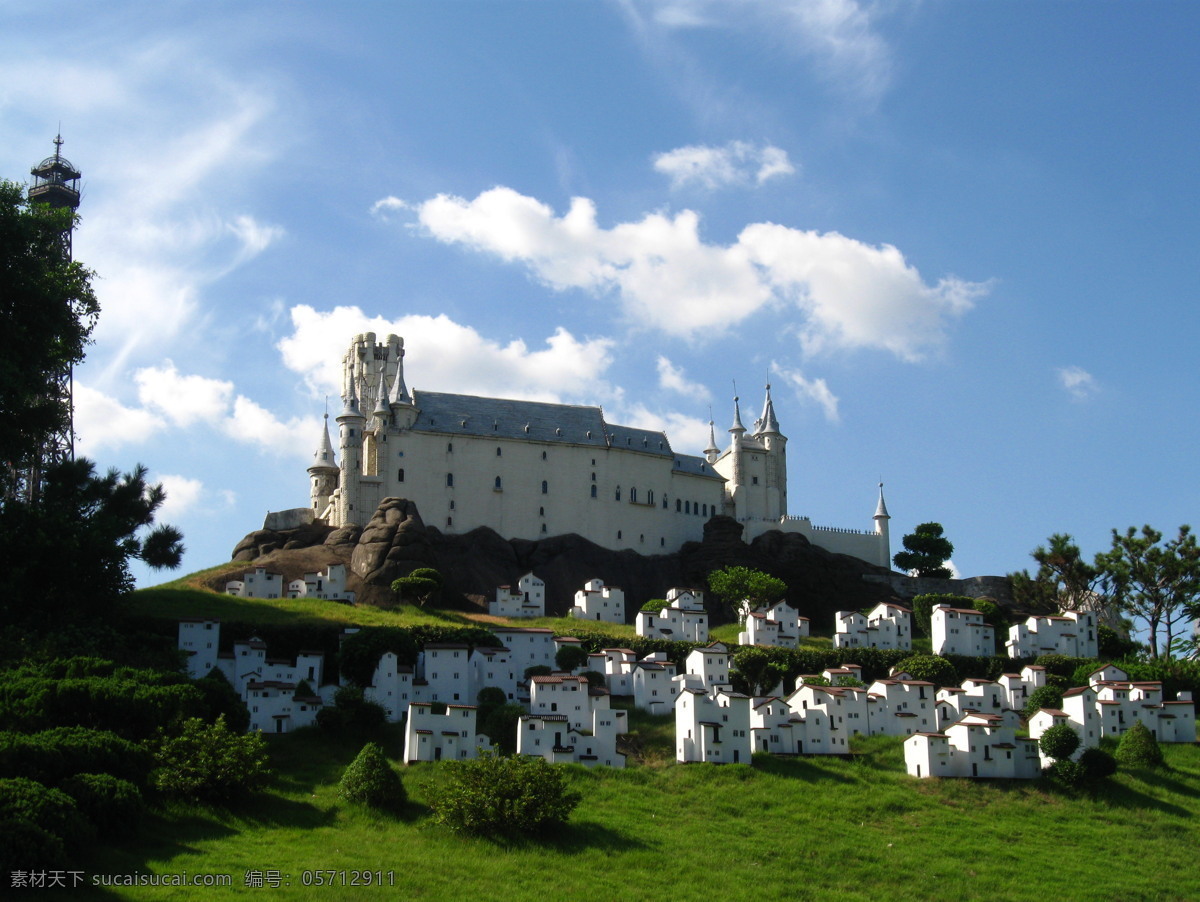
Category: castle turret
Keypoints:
(404, 411)
(323, 474)
(712, 452)
(775, 444)
(881, 530)
(736, 477)
(350, 439)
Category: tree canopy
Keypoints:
(925, 553)
(735, 585)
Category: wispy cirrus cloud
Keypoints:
(1079, 383)
(735, 163)
(814, 391)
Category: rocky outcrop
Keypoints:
(396, 541)
(262, 542)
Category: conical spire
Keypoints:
(767, 422)
(381, 402)
(712, 440)
(324, 454)
(881, 508)
(350, 401)
(400, 393)
(737, 426)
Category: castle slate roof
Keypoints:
(568, 424)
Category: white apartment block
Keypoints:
(528, 647)
(1072, 633)
(713, 727)
(329, 584)
(445, 673)
(391, 687)
(596, 601)
(961, 631)
(886, 625)
(978, 745)
(551, 737)
(494, 667)
(617, 666)
(259, 583)
(779, 626)
(201, 639)
(681, 619)
(902, 707)
(567, 695)
(655, 686)
(440, 737)
(526, 599)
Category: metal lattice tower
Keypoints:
(56, 183)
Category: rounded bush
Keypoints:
(115, 807)
(933, 668)
(50, 809)
(1059, 742)
(209, 762)
(1067, 773)
(1097, 764)
(1043, 697)
(371, 781)
(1139, 748)
(500, 795)
(24, 845)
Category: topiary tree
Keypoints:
(370, 780)
(113, 806)
(1059, 742)
(500, 795)
(501, 726)
(933, 668)
(421, 586)
(925, 552)
(1139, 748)
(1042, 697)
(755, 672)
(49, 809)
(1097, 765)
(537, 670)
(570, 658)
(210, 762)
(596, 680)
(1067, 773)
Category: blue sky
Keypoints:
(958, 238)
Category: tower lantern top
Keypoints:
(55, 180)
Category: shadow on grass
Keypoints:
(800, 768)
(573, 838)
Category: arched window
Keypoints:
(543, 527)
(662, 543)
(400, 475)
(497, 450)
(633, 496)
(649, 496)
(593, 477)
(499, 485)
(618, 493)
(449, 447)
(706, 510)
(449, 521)
(664, 502)
(678, 505)
(593, 491)
(449, 480)
(618, 534)
(543, 455)
(545, 487)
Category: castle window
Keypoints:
(593, 459)
(400, 475)
(695, 507)
(541, 512)
(618, 534)
(543, 527)
(678, 505)
(497, 450)
(449, 480)
(451, 504)
(633, 496)
(449, 447)
(618, 495)
(449, 521)
(593, 477)
(545, 487)
(642, 538)
(754, 480)
(593, 491)
(543, 455)
(649, 496)
(687, 507)
(498, 487)
(706, 510)
(662, 543)
(664, 502)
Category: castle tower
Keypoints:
(56, 184)
(404, 412)
(881, 530)
(736, 478)
(350, 438)
(775, 444)
(323, 474)
(712, 452)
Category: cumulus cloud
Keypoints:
(183, 400)
(102, 422)
(1078, 382)
(736, 163)
(672, 378)
(688, 434)
(182, 495)
(665, 276)
(814, 390)
(565, 367)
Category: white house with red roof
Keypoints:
(1019, 686)
(551, 737)
(655, 686)
(961, 631)
(682, 618)
(779, 626)
(887, 626)
(561, 693)
(529, 646)
(707, 667)
(980, 746)
(258, 583)
(712, 726)
(444, 673)
(526, 599)
(429, 736)
(493, 666)
(596, 601)
(617, 665)
(902, 707)
(328, 584)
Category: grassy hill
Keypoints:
(811, 828)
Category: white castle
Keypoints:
(530, 470)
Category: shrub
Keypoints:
(53, 755)
(654, 605)
(596, 680)
(501, 726)
(210, 762)
(371, 781)
(1139, 748)
(113, 806)
(351, 714)
(1043, 697)
(1097, 764)
(25, 845)
(1059, 742)
(222, 698)
(933, 668)
(489, 698)
(49, 809)
(1067, 773)
(499, 795)
(1062, 665)
(537, 670)
(570, 658)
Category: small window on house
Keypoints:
(543, 455)
(618, 534)
(400, 475)
(451, 504)
(687, 507)
(450, 480)
(678, 505)
(449, 447)
(664, 502)
(618, 494)
(754, 480)
(545, 487)
(498, 484)
(633, 496)
(593, 491)
(544, 527)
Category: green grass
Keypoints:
(807, 828)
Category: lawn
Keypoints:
(808, 828)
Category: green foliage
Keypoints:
(50, 809)
(24, 845)
(500, 795)
(221, 698)
(114, 806)
(755, 672)
(501, 725)
(1059, 742)
(1043, 697)
(489, 697)
(596, 680)
(1080, 676)
(209, 762)
(370, 780)
(47, 313)
(351, 715)
(360, 652)
(1097, 765)
(53, 755)
(1112, 646)
(1064, 580)
(933, 668)
(1063, 665)
(1139, 748)
(734, 585)
(925, 552)
(996, 616)
(654, 605)
(537, 670)
(570, 658)
(419, 587)
(1067, 773)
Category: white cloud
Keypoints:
(253, 236)
(736, 163)
(815, 390)
(688, 434)
(182, 495)
(672, 378)
(666, 277)
(253, 424)
(102, 422)
(1078, 382)
(387, 204)
(448, 356)
(181, 399)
